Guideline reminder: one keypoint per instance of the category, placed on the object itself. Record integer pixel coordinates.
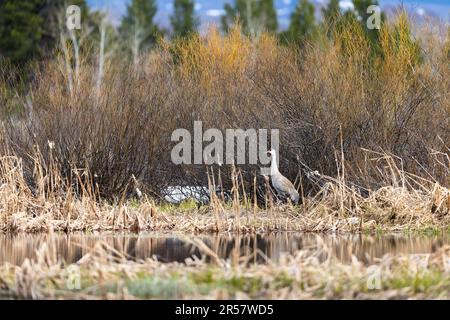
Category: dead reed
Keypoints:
(311, 273)
(52, 202)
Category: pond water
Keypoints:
(15, 249)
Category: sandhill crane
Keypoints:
(281, 184)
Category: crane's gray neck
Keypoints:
(273, 165)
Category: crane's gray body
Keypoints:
(284, 187)
(282, 184)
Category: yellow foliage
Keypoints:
(400, 51)
(214, 57)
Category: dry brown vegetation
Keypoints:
(333, 101)
(51, 202)
(312, 273)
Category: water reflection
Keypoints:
(70, 248)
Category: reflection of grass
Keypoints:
(293, 277)
(427, 231)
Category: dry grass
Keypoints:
(312, 273)
(52, 202)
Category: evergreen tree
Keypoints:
(361, 7)
(334, 19)
(331, 12)
(255, 16)
(303, 23)
(21, 30)
(138, 28)
(183, 20)
(28, 27)
(361, 10)
(268, 15)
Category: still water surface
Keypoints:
(15, 249)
